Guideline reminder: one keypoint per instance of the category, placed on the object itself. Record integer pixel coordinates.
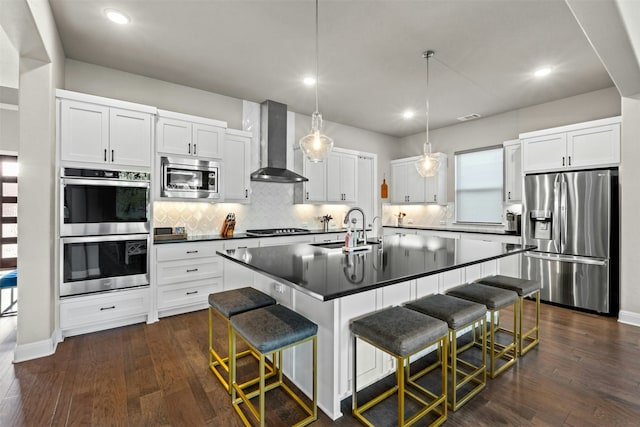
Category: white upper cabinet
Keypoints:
(315, 190)
(127, 129)
(334, 180)
(342, 173)
(236, 167)
(407, 186)
(512, 171)
(583, 145)
(190, 135)
(95, 130)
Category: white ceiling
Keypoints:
(371, 65)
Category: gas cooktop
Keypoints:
(276, 232)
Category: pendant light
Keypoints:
(316, 146)
(428, 164)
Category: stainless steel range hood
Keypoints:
(273, 146)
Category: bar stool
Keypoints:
(495, 299)
(401, 333)
(524, 288)
(459, 314)
(268, 331)
(226, 304)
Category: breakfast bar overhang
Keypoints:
(331, 287)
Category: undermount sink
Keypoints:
(339, 244)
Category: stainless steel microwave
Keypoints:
(190, 178)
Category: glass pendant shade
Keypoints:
(315, 145)
(428, 164)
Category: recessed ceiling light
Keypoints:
(309, 81)
(117, 16)
(408, 114)
(541, 72)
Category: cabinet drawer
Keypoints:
(170, 272)
(87, 310)
(178, 251)
(241, 243)
(188, 293)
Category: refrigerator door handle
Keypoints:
(563, 212)
(567, 258)
(556, 221)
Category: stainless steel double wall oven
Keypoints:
(104, 229)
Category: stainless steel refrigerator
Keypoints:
(572, 218)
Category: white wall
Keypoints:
(111, 83)
(41, 71)
(9, 130)
(630, 206)
(496, 129)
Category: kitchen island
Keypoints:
(331, 287)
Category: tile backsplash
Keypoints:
(271, 207)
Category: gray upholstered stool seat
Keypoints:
(523, 287)
(398, 331)
(402, 332)
(492, 298)
(226, 304)
(273, 327)
(460, 314)
(495, 299)
(237, 301)
(268, 331)
(457, 312)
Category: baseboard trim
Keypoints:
(35, 350)
(629, 318)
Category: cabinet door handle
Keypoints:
(107, 308)
(435, 197)
(569, 160)
(112, 155)
(192, 292)
(189, 148)
(194, 149)
(191, 270)
(307, 195)
(562, 160)
(192, 252)
(105, 154)
(242, 247)
(508, 195)
(246, 193)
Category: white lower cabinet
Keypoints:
(186, 273)
(90, 313)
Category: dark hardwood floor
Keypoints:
(585, 372)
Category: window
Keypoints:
(478, 182)
(9, 212)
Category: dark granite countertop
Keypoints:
(326, 274)
(458, 229)
(212, 237)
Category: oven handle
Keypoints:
(105, 183)
(109, 238)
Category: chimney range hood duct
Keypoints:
(273, 146)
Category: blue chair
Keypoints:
(9, 281)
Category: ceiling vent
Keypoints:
(469, 117)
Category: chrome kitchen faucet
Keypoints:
(364, 223)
